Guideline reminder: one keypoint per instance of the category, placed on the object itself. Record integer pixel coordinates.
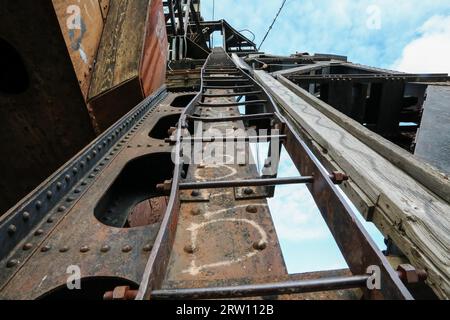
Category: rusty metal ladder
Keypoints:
(359, 251)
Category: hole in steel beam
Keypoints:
(161, 130)
(133, 199)
(92, 289)
(14, 77)
(182, 101)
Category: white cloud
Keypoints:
(431, 51)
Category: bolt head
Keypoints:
(26, 216)
(12, 263)
(195, 193)
(39, 232)
(127, 249)
(27, 246)
(84, 249)
(148, 248)
(191, 249)
(12, 229)
(46, 248)
(64, 249)
(196, 212)
(260, 245)
(105, 249)
(248, 191)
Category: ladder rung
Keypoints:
(245, 183)
(228, 87)
(231, 104)
(228, 139)
(234, 94)
(260, 290)
(226, 80)
(235, 118)
(223, 77)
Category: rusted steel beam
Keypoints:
(271, 289)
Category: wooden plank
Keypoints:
(428, 175)
(419, 218)
(121, 46)
(82, 36)
(433, 140)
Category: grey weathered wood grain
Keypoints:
(417, 219)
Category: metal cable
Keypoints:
(273, 23)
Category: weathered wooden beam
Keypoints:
(405, 209)
(433, 140)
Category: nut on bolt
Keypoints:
(121, 293)
(164, 187)
(338, 177)
(408, 274)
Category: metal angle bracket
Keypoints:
(251, 193)
(195, 195)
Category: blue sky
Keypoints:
(412, 35)
(406, 35)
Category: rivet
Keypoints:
(38, 205)
(195, 193)
(12, 229)
(39, 232)
(51, 220)
(94, 153)
(64, 249)
(67, 177)
(196, 212)
(75, 171)
(261, 245)
(189, 249)
(27, 246)
(59, 186)
(84, 249)
(77, 191)
(127, 249)
(70, 199)
(92, 176)
(105, 248)
(12, 263)
(46, 248)
(49, 194)
(84, 183)
(82, 164)
(62, 209)
(248, 191)
(148, 248)
(252, 209)
(26, 216)
(88, 158)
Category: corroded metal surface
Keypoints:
(79, 230)
(224, 237)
